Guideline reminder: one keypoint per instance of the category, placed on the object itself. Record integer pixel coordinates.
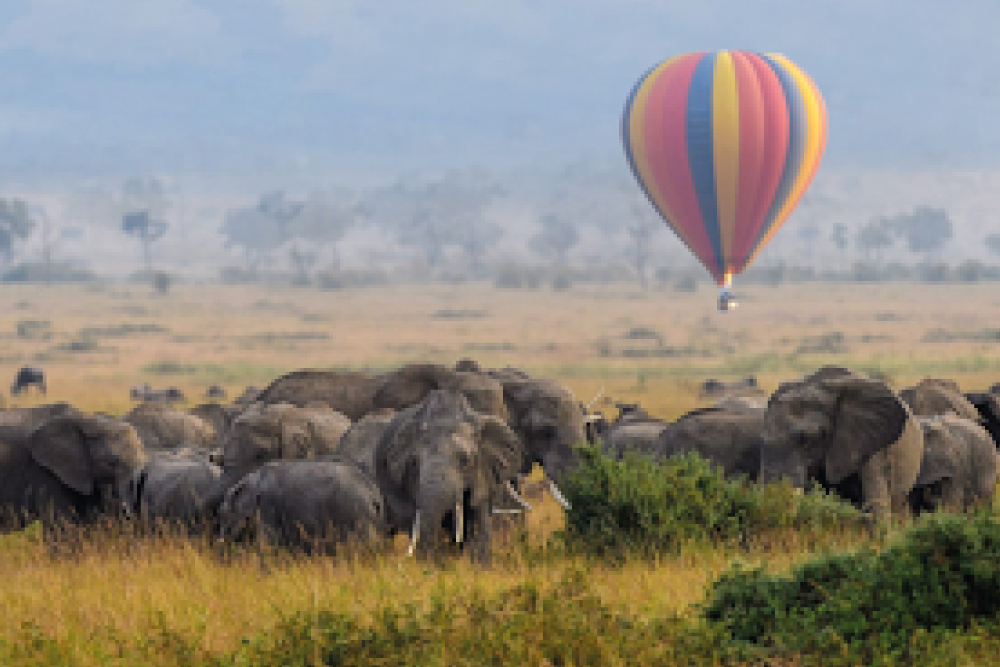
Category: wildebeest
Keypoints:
(713, 388)
(147, 394)
(28, 376)
(215, 391)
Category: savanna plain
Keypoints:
(120, 598)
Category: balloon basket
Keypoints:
(726, 301)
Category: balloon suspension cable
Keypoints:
(726, 299)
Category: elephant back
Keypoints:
(347, 392)
(161, 427)
(412, 383)
(937, 397)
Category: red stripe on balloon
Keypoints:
(751, 152)
(774, 110)
(666, 133)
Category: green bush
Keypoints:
(871, 608)
(640, 507)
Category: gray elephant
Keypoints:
(356, 394)
(348, 392)
(410, 384)
(279, 431)
(443, 465)
(312, 506)
(71, 466)
(219, 417)
(730, 439)
(18, 423)
(851, 433)
(632, 432)
(161, 427)
(742, 402)
(550, 422)
(959, 467)
(359, 443)
(932, 396)
(178, 486)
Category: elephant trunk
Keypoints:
(440, 496)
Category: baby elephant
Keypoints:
(180, 485)
(311, 506)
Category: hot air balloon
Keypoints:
(724, 145)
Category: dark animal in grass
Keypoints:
(28, 376)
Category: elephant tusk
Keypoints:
(516, 496)
(594, 399)
(557, 494)
(414, 534)
(459, 523)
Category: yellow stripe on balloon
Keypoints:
(637, 142)
(726, 149)
(816, 121)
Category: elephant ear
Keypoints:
(502, 449)
(869, 417)
(59, 445)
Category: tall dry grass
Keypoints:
(115, 589)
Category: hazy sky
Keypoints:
(355, 88)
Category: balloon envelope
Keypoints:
(724, 145)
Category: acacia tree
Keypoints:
(992, 242)
(873, 238)
(555, 238)
(641, 233)
(260, 229)
(322, 221)
(145, 202)
(838, 236)
(429, 217)
(926, 229)
(16, 225)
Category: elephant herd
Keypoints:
(927, 446)
(317, 459)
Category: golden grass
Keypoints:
(133, 586)
(220, 335)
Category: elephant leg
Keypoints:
(480, 541)
(952, 495)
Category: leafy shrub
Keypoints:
(121, 330)
(686, 284)
(346, 279)
(640, 507)
(169, 368)
(34, 329)
(562, 282)
(161, 281)
(867, 607)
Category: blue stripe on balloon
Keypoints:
(796, 146)
(701, 156)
